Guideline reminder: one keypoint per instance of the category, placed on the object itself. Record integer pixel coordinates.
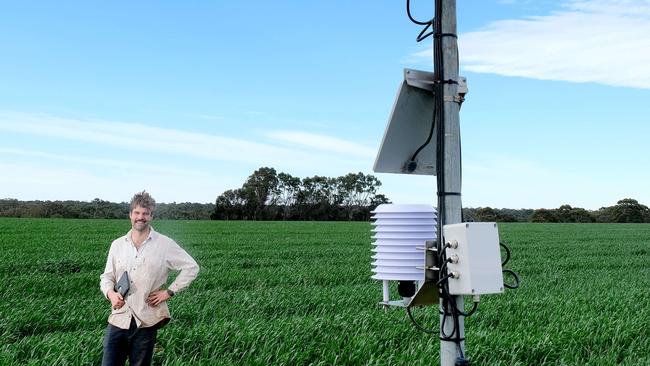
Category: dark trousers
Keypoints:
(134, 343)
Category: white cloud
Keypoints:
(58, 159)
(602, 41)
(323, 143)
(142, 138)
(635, 8)
(313, 149)
(78, 159)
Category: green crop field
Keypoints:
(300, 293)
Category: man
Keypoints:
(147, 257)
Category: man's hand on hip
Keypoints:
(117, 301)
(157, 297)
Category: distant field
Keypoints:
(299, 293)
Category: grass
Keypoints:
(299, 293)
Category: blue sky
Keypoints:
(186, 99)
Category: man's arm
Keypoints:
(179, 260)
(108, 278)
(107, 281)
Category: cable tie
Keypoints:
(440, 35)
(457, 99)
(448, 81)
(452, 339)
(441, 194)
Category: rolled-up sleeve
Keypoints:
(179, 260)
(107, 279)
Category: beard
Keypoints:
(141, 225)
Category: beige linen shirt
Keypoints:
(148, 270)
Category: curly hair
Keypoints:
(144, 200)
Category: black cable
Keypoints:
(517, 282)
(442, 253)
(443, 335)
(444, 278)
(444, 265)
(458, 339)
(448, 306)
(505, 261)
(438, 98)
(470, 312)
(433, 125)
(422, 36)
(408, 12)
(460, 350)
(417, 325)
(445, 294)
(439, 74)
(512, 273)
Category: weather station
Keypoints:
(434, 257)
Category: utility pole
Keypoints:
(451, 188)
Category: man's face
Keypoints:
(140, 218)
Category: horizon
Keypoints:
(214, 203)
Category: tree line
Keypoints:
(269, 195)
(100, 209)
(627, 210)
(265, 195)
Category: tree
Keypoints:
(378, 199)
(267, 195)
(544, 215)
(358, 189)
(357, 192)
(229, 205)
(260, 190)
(566, 213)
(629, 210)
(288, 188)
(185, 211)
(487, 214)
(316, 198)
(104, 209)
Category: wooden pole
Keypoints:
(449, 351)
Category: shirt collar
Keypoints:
(152, 235)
